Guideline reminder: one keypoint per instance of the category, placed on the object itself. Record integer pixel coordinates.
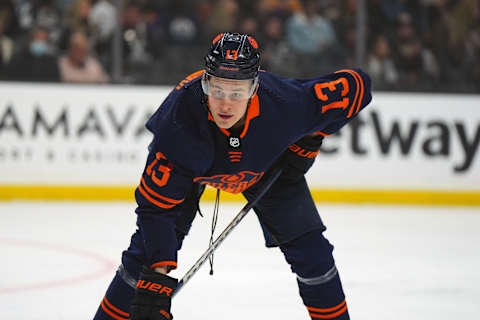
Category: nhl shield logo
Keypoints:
(234, 142)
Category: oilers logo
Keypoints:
(232, 183)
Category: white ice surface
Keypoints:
(415, 263)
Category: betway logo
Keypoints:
(432, 138)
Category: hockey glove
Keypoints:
(299, 157)
(153, 296)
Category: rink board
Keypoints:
(61, 142)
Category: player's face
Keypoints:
(228, 100)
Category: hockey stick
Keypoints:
(275, 174)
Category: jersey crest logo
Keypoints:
(232, 183)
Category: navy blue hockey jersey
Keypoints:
(188, 147)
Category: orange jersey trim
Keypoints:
(189, 78)
(155, 202)
(110, 313)
(352, 107)
(253, 112)
(159, 195)
(359, 92)
(164, 264)
(362, 92)
(322, 134)
(120, 312)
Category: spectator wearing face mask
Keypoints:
(78, 65)
(35, 62)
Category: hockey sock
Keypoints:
(310, 257)
(116, 303)
(324, 300)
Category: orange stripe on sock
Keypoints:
(110, 313)
(120, 312)
(327, 309)
(329, 316)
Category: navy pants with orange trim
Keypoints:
(290, 220)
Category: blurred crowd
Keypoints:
(421, 45)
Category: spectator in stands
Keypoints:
(472, 56)
(248, 25)
(155, 16)
(6, 48)
(381, 66)
(224, 16)
(281, 8)
(78, 66)
(308, 32)
(103, 17)
(418, 66)
(183, 29)
(9, 18)
(134, 32)
(77, 20)
(277, 54)
(34, 62)
(47, 15)
(311, 36)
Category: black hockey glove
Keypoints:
(299, 157)
(153, 296)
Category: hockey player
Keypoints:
(226, 126)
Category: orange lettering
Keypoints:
(294, 147)
(167, 290)
(140, 284)
(154, 287)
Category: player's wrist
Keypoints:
(162, 269)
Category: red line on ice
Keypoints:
(107, 266)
